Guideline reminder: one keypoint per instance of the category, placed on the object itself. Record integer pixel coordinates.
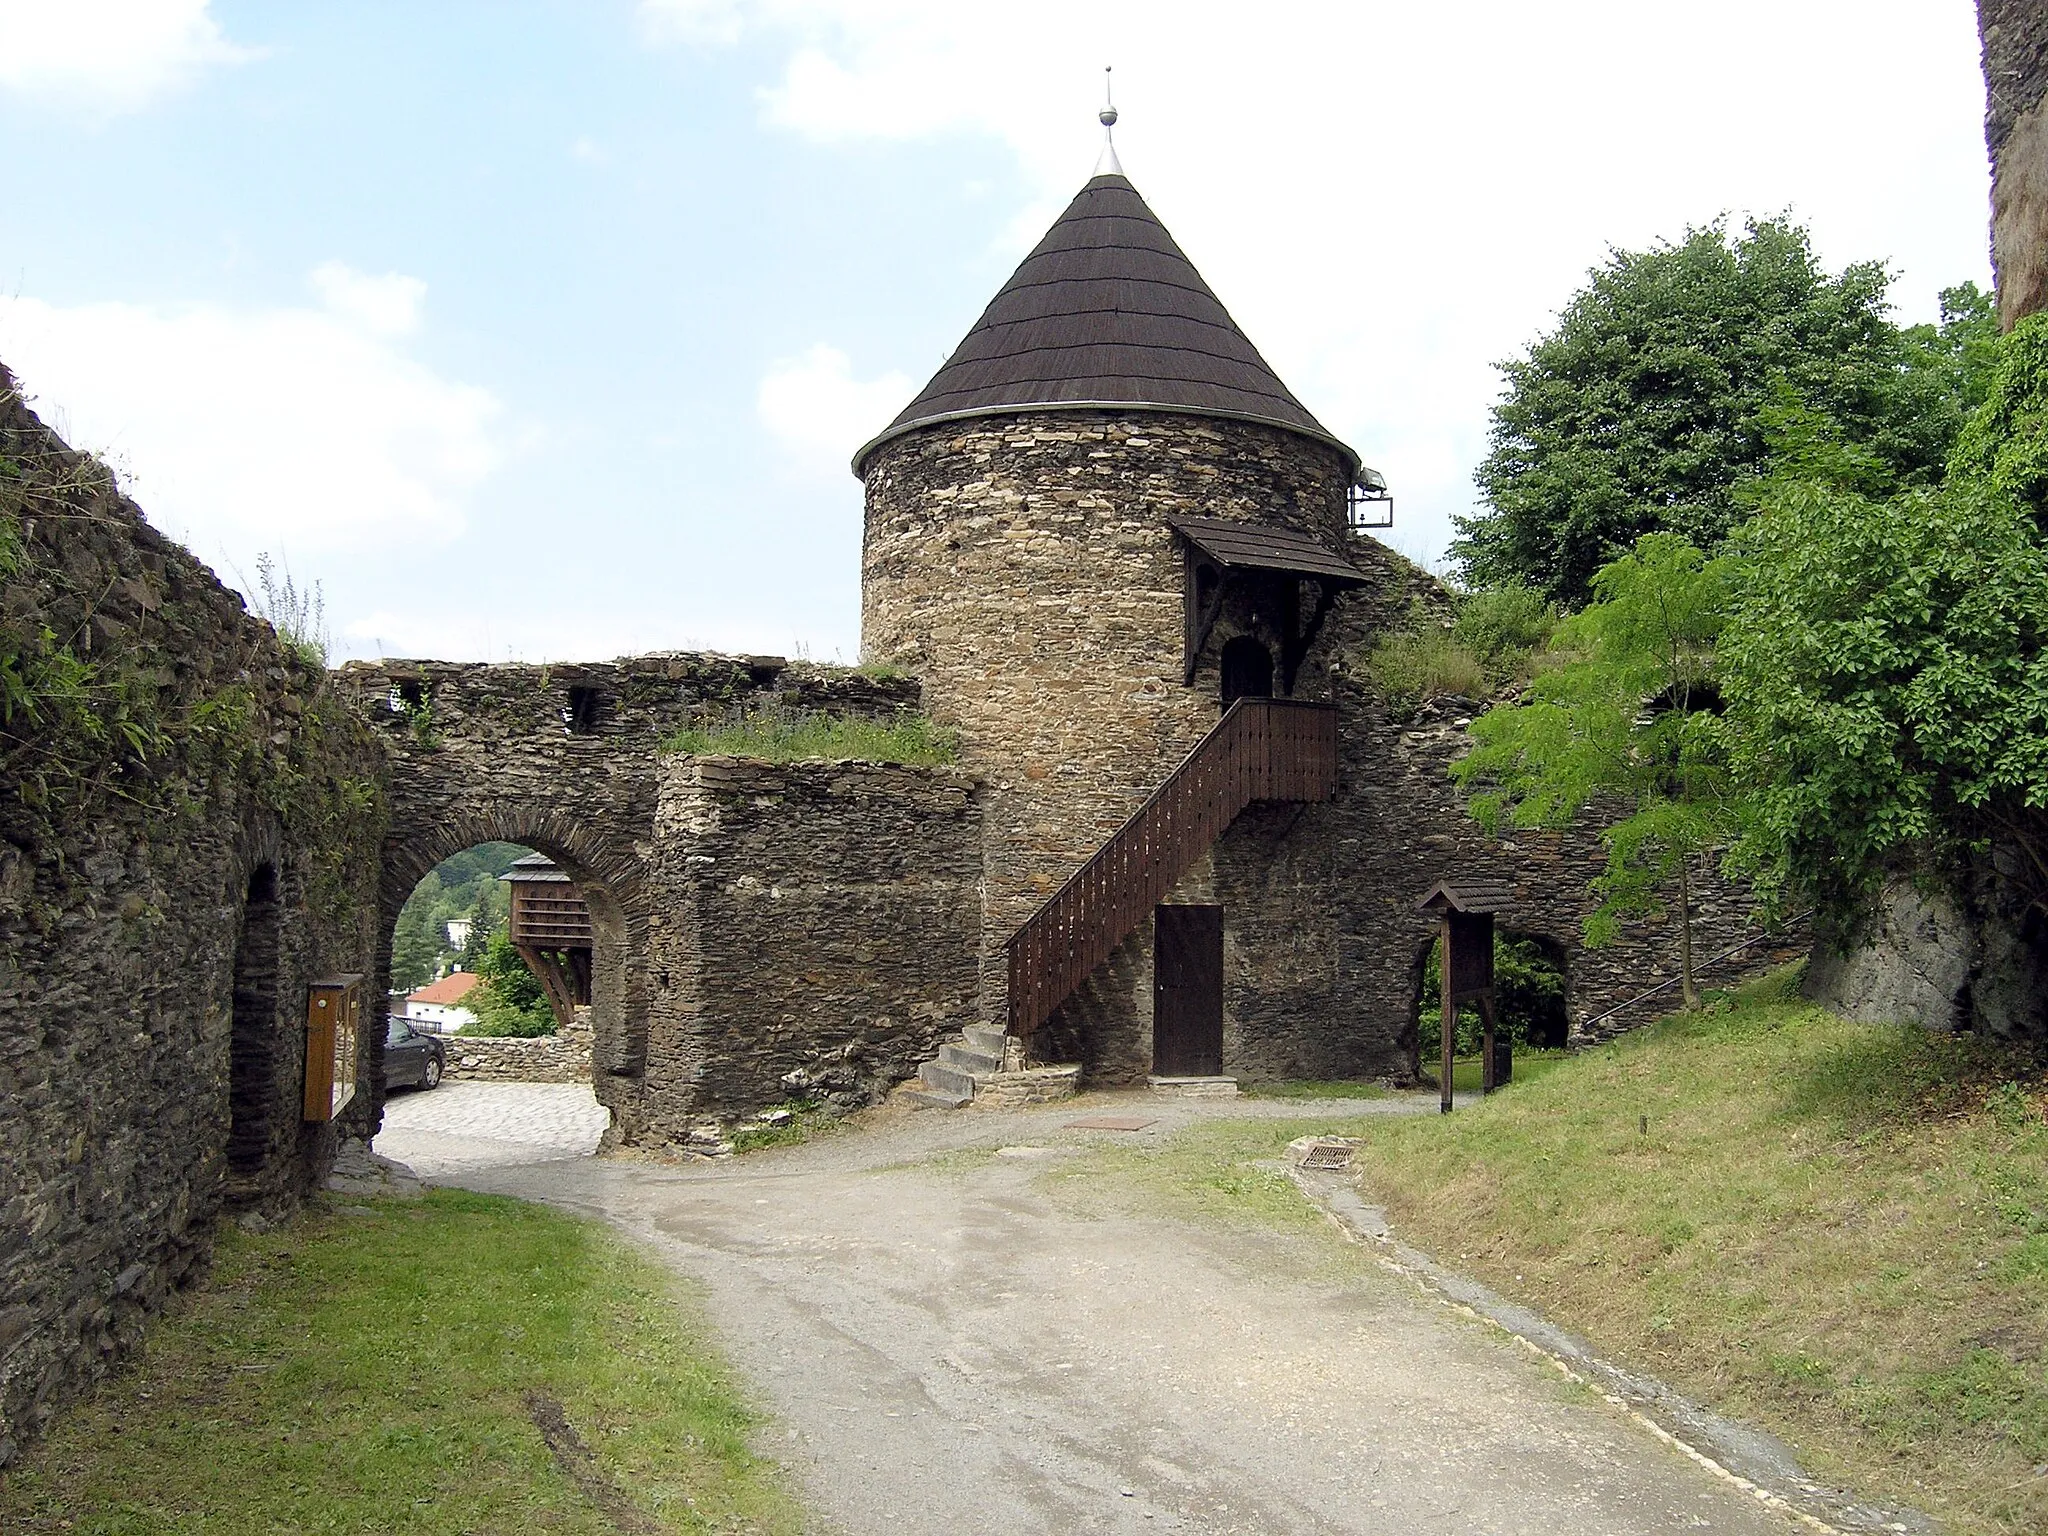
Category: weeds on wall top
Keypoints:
(1486, 641)
(782, 734)
(298, 614)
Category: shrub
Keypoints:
(1528, 992)
(1491, 639)
(508, 1001)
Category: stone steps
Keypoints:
(944, 1078)
(970, 1059)
(971, 1068)
(933, 1098)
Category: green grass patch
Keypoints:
(1530, 1066)
(368, 1369)
(782, 735)
(1223, 1173)
(1837, 1230)
(807, 1119)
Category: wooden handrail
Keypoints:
(1262, 749)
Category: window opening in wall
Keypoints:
(1247, 668)
(407, 696)
(580, 713)
(255, 1036)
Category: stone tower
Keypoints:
(1021, 553)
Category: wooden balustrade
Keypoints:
(1262, 749)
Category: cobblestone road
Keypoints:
(463, 1126)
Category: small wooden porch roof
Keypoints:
(1468, 896)
(1238, 545)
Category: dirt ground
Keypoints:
(945, 1347)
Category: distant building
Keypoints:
(458, 932)
(437, 1007)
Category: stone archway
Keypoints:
(613, 883)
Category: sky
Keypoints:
(545, 329)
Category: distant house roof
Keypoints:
(1232, 542)
(450, 989)
(1107, 312)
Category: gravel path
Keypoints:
(945, 1349)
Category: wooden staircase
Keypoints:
(1262, 749)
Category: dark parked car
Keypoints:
(412, 1059)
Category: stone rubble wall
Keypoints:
(2015, 43)
(814, 933)
(563, 1057)
(1021, 1090)
(149, 1085)
(485, 753)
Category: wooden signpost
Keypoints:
(1467, 909)
(334, 1027)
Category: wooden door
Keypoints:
(1187, 991)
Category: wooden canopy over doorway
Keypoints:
(1226, 553)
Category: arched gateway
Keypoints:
(758, 931)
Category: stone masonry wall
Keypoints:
(2015, 39)
(481, 753)
(189, 824)
(563, 1057)
(1022, 566)
(814, 932)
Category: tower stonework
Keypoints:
(1021, 557)
(1023, 566)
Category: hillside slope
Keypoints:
(1836, 1230)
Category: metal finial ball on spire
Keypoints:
(1107, 117)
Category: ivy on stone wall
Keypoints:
(120, 689)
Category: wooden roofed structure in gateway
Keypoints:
(550, 929)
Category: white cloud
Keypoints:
(384, 306)
(690, 21)
(822, 413)
(456, 628)
(1391, 197)
(281, 429)
(114, 55)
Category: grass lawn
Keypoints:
(1839, 1231)
(391, 1366)
(1530, 1066)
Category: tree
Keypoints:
(1888, 661)
(508, 1000)
(1627, 717)
(1647, 407)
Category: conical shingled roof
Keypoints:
(1107, 312)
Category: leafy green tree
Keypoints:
(465, 884)
(1648, 406)
(508, 1000)
(1626, 719)
(1888, 661)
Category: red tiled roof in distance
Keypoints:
(452, 988)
